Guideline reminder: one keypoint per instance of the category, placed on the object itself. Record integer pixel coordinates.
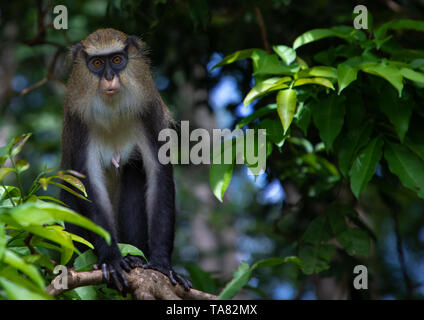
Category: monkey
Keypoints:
(112, 116)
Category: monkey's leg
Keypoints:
(161, 224)
(132, 215)
(110, 260)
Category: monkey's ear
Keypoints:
(76, 49)
(137, 43)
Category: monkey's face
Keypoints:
(110, 77)
(107, 68)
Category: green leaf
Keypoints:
(415, 142)
(412, 75)
(3, 240)
(52, 200)
(398, 111)
(4, 172)
(39, 213)
(242, 275)
(364, 165)
(355, 139)
(314, 253)
(274, 130)
(316, 258)
(220, 173)
(319, 71)
(22, 165)
(317, 232)
(286, 107)
(202, 280)
(399, 24)
(72, 181)
(346, 75)
(17, 291)
(317, 34)
(275, 261)
(240, 278)
(321, 81)
(257, 114)
(391, 74)
(4, 154)
(406, 165)
(40, 260)
(79, 239)
(68, 190)
(18, 143)
(328, 117)
(264, 87)
(53, 234)
(127, 249)
(354, 240)
(287, 54)
(269, 64)
(66, 254)
(302, 117)
(238, 55)
(85, 261)
(87, 292)
(17, 262)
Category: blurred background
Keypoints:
(257, 218)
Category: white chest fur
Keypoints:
(128, 138)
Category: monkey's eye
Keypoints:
(116, 59)
(97, 63)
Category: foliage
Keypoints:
(364, 123)
(352, 144)
(32, 227)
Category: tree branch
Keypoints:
(144, 284)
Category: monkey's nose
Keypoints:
(110, 88)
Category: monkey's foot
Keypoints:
(171, 274)
(134, 261)
(114, 275)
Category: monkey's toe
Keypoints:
(114, 276)
(171, 274)
(134, 261)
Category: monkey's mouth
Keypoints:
(110, 92)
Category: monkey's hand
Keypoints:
(134, 261)
(113, 274)
(170, 273)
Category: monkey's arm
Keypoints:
(74, 156)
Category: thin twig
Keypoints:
(27, 242)
(263, 29)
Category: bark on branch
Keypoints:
(144, 284)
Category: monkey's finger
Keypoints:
(115, 280)
(185, 283)
(134, 261)
(125, 266)
(171, 277)
(105, 272)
